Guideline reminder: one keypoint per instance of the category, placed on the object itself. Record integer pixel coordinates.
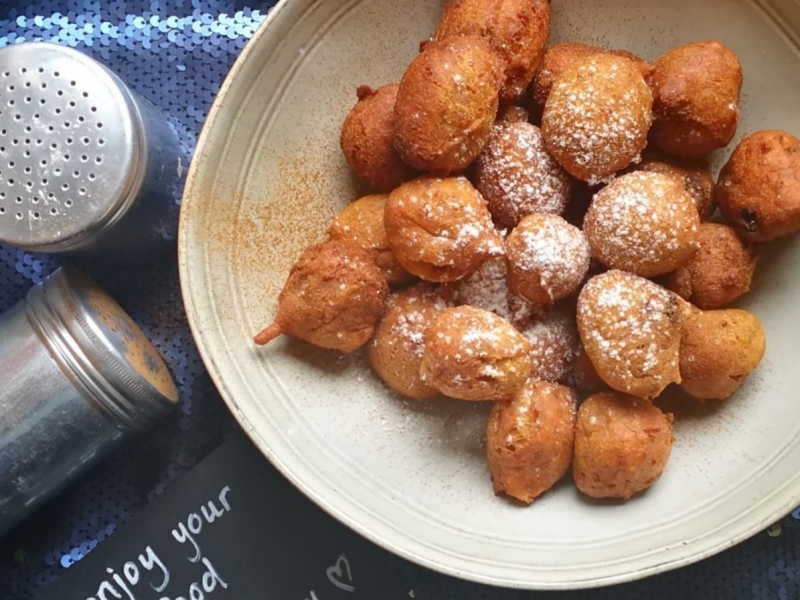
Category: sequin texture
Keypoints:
(176, 54)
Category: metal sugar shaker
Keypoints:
(86, 165)
(78, 376)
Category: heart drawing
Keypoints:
(340, 575)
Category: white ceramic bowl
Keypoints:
(267, 177)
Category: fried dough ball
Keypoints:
(361, 223)
(547, 258)
(597, 116)
(645, 223)
(516, 29)
(333, 298)
(695, 98)
(554, 346)
(555, 60)
(719, 348)
(559, 57)
(440, 229)
(720, 271)
(622, 445)
(584, 373)
(472, 354)
(395, 351)
(367, 139)
(694, 173)
(512, 113)
(487, 288)
(517, 175)
(529, 440)
(447, 103)
(630, 329)
(759, 188)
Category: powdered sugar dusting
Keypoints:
(473, 354)
(554, 346)
(523, 311)
(555, 60)
(398, 345)
(410, 329)
(441, 222)
(473, 332)
(517, 175)
(643, 222)
(410, 313)
(597, 117)
(549, 251)
(487, 334)
(630, 329)
(487, 288)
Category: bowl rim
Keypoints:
(704, 545)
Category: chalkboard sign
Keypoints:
(233, 528)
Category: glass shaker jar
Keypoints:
(78, 376)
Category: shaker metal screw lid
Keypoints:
(71, 156)
(102, 349)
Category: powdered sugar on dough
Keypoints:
(440, 229)
(517, 175)
(547, 253)
(643, 222)
(630, 328)
(597, 117)
(554, 346)
(487, 288)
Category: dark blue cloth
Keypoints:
(176, 54)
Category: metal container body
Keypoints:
(49, 432)
(147, 224)
(76, 376)
(152, 220)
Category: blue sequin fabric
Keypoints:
(176, 54)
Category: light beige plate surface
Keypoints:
(267, 177)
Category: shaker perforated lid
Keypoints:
(104, 351)
(70, 147)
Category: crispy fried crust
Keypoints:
(694, 174)
(720, 271)
(440, 229)
(516, 29)
(558, 57)
(696, 95)
(529, 440)
(395, 351)
(447, 103)
(361, 223)
(367, 139)
(719, 348)
(622, 445)
(759, 188)
(333, 298)
(472, 354)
